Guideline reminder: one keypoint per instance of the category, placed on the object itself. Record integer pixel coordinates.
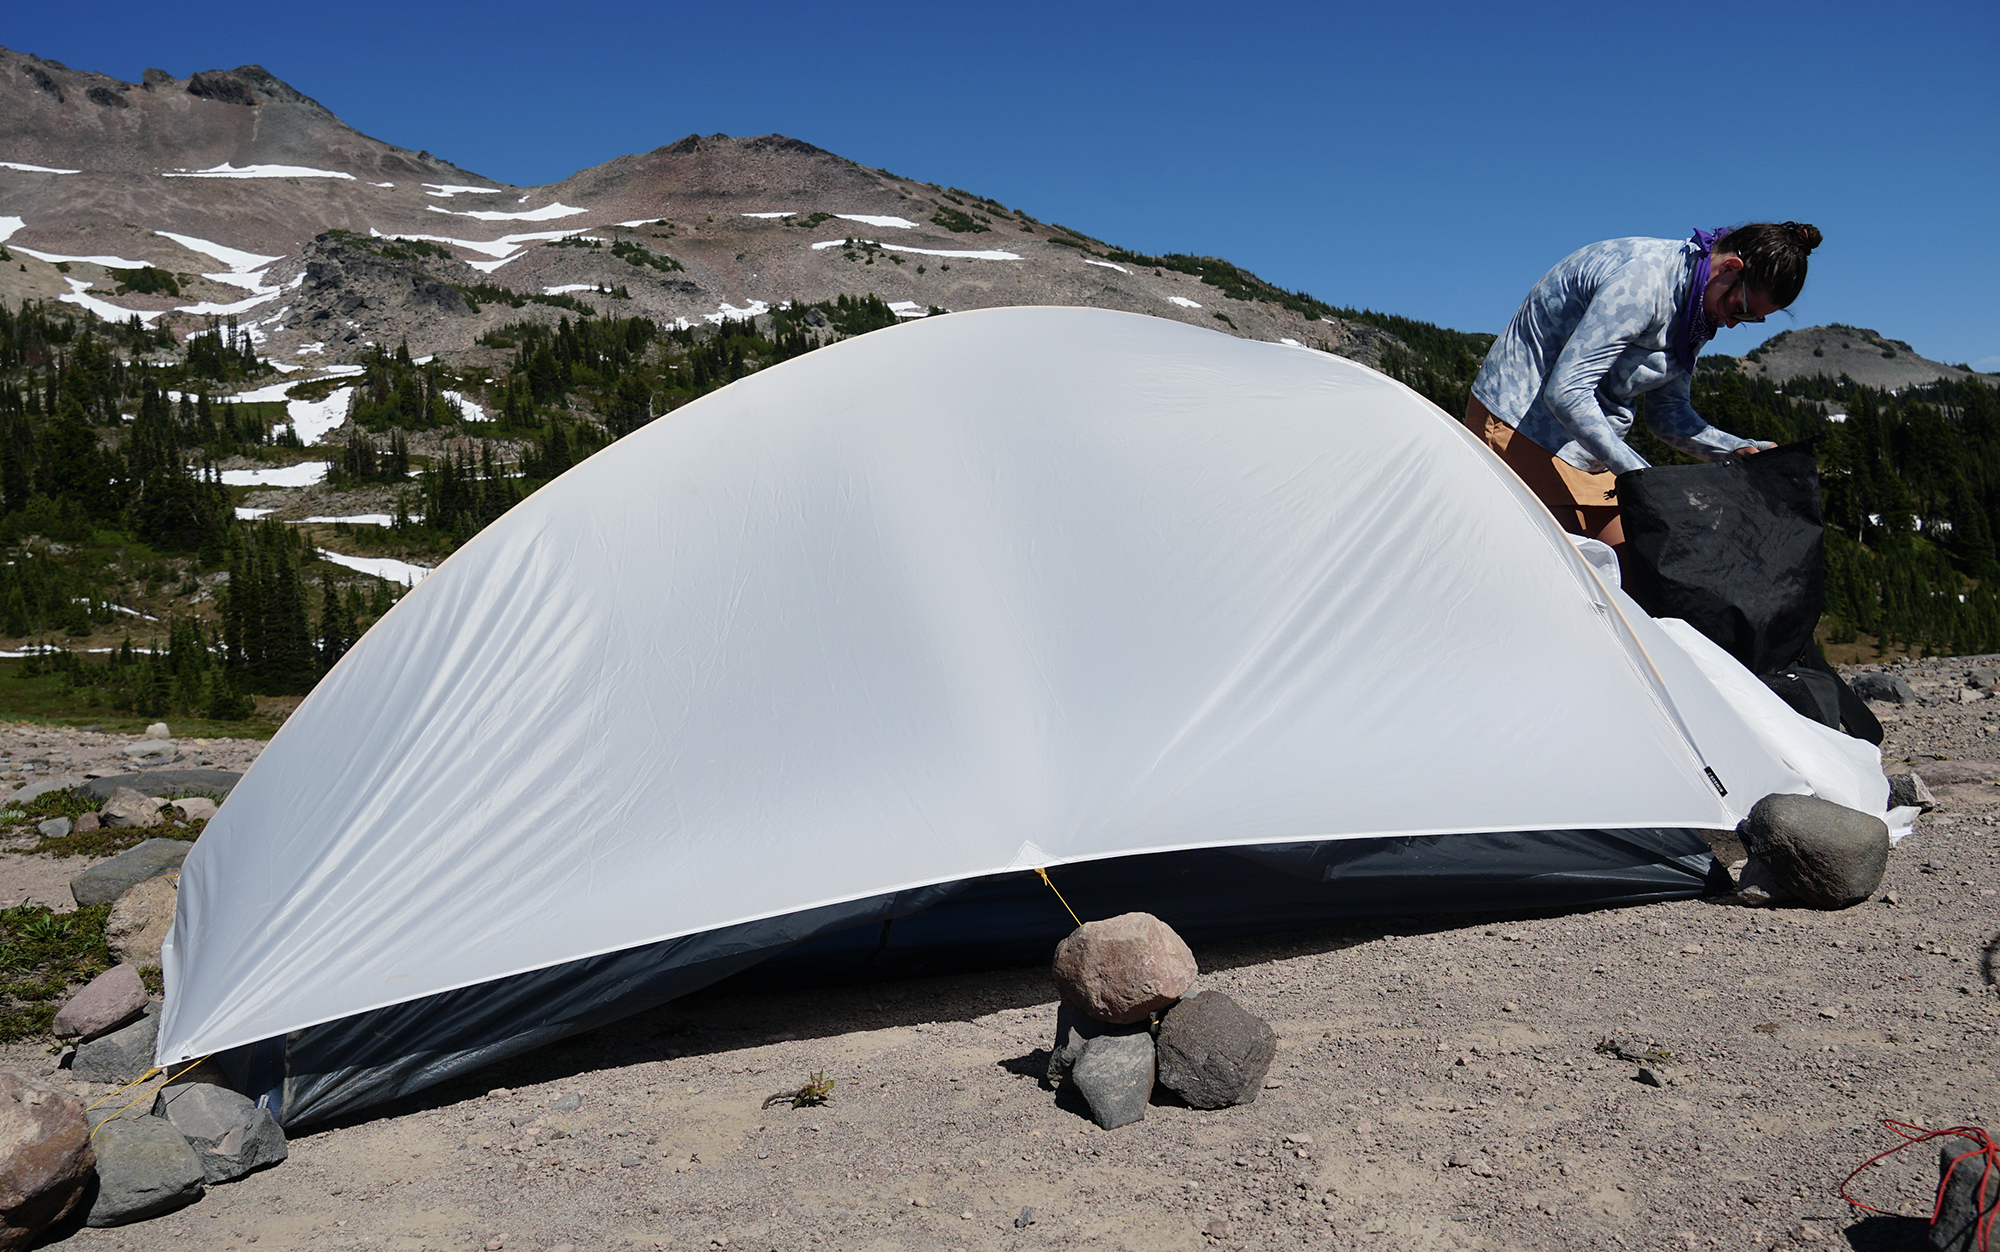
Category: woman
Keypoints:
(1609, 323)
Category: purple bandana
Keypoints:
(1694, 329)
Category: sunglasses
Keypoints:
(1743, 301)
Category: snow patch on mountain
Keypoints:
(103, 308)
(989, 255)
(543, 214)
(381, 566)
(34, 169)
(226, 170)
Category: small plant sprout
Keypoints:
(818, 1089)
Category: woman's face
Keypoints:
(1728, 302)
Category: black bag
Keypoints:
(1737, 550)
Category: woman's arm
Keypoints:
(1621, 312)
(1670, 413)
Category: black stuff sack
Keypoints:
(1736, 549)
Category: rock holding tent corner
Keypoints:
(230, 1134)
(1123, 968)
(144, 1168)
(1115, 1075)
(1214, 1052)
(1074, 1031)
(1824, 854)
(46, 1158)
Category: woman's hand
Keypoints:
(1753, 448)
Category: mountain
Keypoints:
(1861, 355)
(227, 180)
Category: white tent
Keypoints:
(913, 614)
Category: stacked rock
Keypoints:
(1116, 977)
(152, 1150)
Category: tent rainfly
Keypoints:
(822, 666)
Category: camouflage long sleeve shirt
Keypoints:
(1590, 338)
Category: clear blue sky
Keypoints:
(1428, 160)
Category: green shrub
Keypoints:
(957, 222)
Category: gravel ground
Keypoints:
(1437, 1086)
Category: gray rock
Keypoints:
(164, 782)
(158, 730)
(1758, 886)
(102, 884)
(1073, 1031)
(35, 791)
(1957, 1226)
(567, 1104)
(1984, 679)
(53, 828)
(151, 752)
(1214, 1052)
(119, 1057)
(127, 809)
(89, 821)
(113, 998)
(228, 1132)
(45, 1157)
(1123, 969)
(1882, 688)
(144, 1169)
(1907, 790)
(137, 927)
(1115, 1075)
(1826, 855)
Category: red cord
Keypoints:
(1987, 1151)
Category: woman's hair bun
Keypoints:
(1808, 237)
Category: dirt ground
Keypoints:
(1437, 1086)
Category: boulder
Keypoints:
(144, 1168)
(1882, 688)
(1910, 791)
(89, 821)
(127, 809)
(113, 998)
(1984, 679)
(102, 884)
(1214, 1052)
(1825, 854)
(139, 920)
(151, 752)
(46, 1158)
(158, 730)
(161, 782)
(193, 808)
(1115, 1075)
(1074, 1031)
(1956, 1228)
(1124, 968)
(119, 1057)
(230, 1134)
(54, 827)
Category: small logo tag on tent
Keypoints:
(1719, 788)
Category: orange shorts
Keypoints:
(1583, 503)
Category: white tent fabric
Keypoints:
(982, 592)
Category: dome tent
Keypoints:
(825, 663)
